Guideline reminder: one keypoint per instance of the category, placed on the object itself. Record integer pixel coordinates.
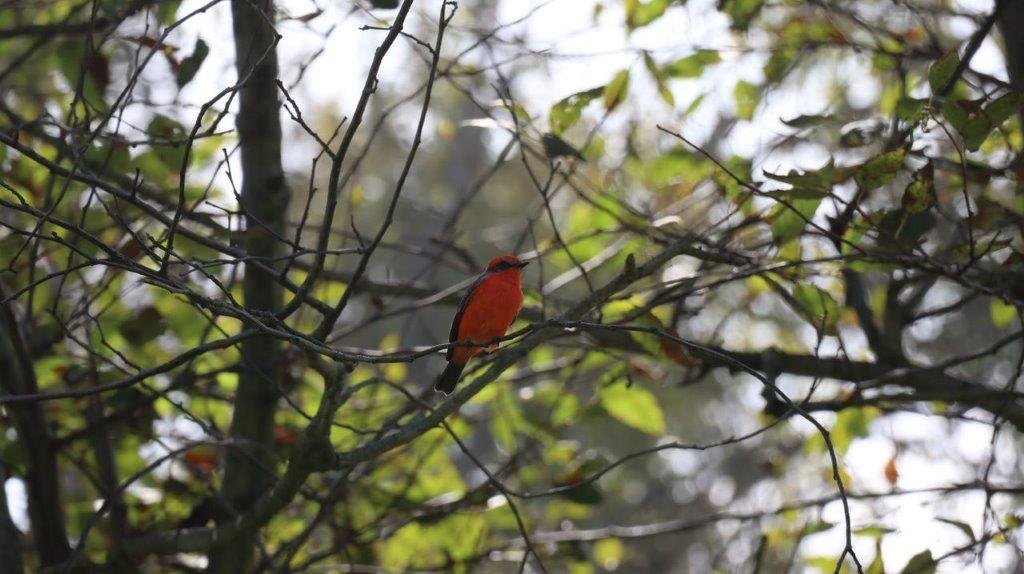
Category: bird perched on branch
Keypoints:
(486, 312)
(557, 148)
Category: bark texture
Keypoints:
(248, 471)
(17, 376)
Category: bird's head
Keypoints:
(506, 265)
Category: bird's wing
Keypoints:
(453, 336)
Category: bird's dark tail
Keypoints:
(449, 378)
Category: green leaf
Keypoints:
(691, 66)
(634, 406)
(817, 306)
(955, 112)
(746, 96)
(190, 65)
(920, 193)
(567, 111)
(851, 424)
(807, 121)
(659, 79)
(905, 228)
(921, 563)
(976, 123)
(742, 12)
(676, 163)
(86, 65)
(111, 8)
(778, 64)
(942, 70)
(164, 128)
(166, 10)
(880, 169)
(822, 564)
(616, 90)
(112, 156)
(873, 531)
(1002, 313)
(1004, 107)
(820, 180)
(507, 420)
(877, 566)
(816, 527)
(961, 526)
(909, 109)
(788, 223)
(639, 13)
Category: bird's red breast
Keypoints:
(489, 308)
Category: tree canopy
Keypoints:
(773, 320)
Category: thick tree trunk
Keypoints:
(249, 467)
(17, 376)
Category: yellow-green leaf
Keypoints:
(616, 90)
(634, 406)
(1002, 313)
(920, 193)
(880, 169)
(746, 95)
(566, 111)
(691, 66)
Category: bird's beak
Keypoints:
(522, 264)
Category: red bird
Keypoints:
(490, 306)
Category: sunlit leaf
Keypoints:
(880, 169)
(1002, 313)
(920, 193)
(746, 96)
(851, 424)
(634, 406)
(659, 79)
(818, 306)
(641, 13)
(788, 221)
(676, 163)
(567, 111)
(873, 531)
(616, 90)
(691, 66)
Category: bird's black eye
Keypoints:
(499, 266)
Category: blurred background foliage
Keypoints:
(845, 175)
